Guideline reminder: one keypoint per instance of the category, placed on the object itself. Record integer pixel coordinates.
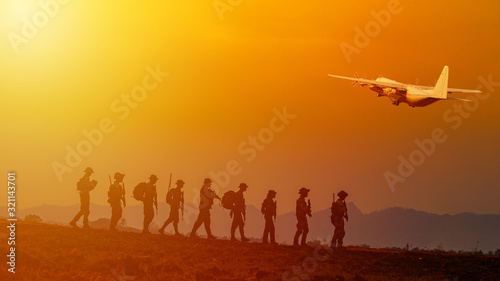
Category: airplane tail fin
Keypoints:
(441, 89)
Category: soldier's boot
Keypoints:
(73, 224)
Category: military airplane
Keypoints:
(413, 95)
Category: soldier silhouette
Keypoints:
(206, 201)
(175, 197)
(150, 198)
(238, 212)
(116, 195)
(302, 210)
(339, 212)
(84, 185)
(269, 210)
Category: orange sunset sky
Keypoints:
(229, 71)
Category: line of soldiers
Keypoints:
(175, 197)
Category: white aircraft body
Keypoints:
(413, 95)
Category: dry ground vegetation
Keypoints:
(51, 252)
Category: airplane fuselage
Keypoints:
(418, 99)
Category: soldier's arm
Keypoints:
(93, 184)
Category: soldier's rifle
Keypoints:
(110, 184)
(182, 206)
(169, 183)
(309, 207)
(346, 216)
(123, 195)
(275, 210)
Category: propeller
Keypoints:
(356, 82)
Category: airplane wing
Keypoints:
(383, 84)
(450, 90)
(458, 99)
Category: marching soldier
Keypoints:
(175, 197)
(301, 211)
(238, 213)
(84, 185)
(206, 201)
(150, 198)
(116, 195)
(269, 210)
(339, 212)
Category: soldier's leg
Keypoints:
(118, 215)
(271, 231)
(304, 233)
(112, 223)
(341, 236)
(333, 243)
(266, 231)
(234, 225)
(176, 227)
(197, 224)
(167, 222)
(175, 220)
(148, 217)
(297, 234)
(207, 224)
(86, 213)
(76, 218)
(241, 225)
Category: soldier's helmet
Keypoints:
(207, 180)
(153, 177)
(88, 170)
(243, 185)
(271, 192)
(180, 182)
(304, 190)
(119, 176)
(342, 194)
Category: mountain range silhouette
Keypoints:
(391, 227)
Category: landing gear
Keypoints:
(395, 102)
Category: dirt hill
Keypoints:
(392, 227)
(51, 252)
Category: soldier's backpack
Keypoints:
(335, 212)
(170, 197)
(139, 191)
(228, 199)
